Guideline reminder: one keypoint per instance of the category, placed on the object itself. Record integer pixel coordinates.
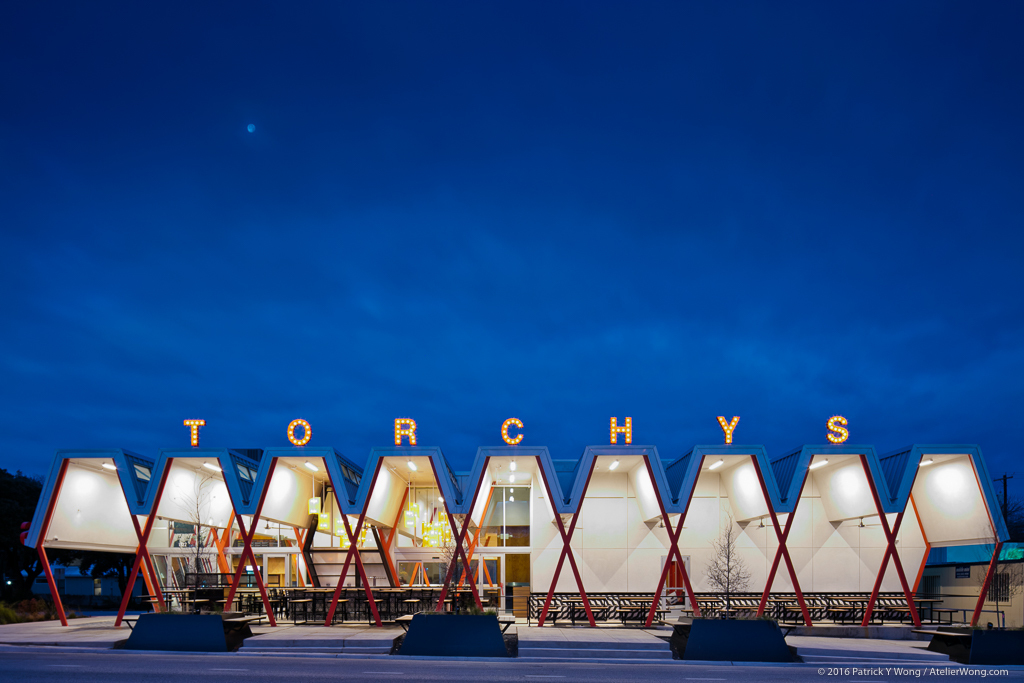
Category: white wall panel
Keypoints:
(91, 512)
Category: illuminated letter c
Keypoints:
(504, 431)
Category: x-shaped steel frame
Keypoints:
(890, 550)
(673, 548)
(460, 537)
(782, 551)
(353, 551)
(142, 554)
(566, 549)
(247, 551)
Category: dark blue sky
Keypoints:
(466, 212)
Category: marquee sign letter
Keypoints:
(307, 432)
(840, 434)
(728, 427)
(409, 431)
(195, 425)
(626, 429)
(504, 431)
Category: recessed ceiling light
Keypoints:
(512, 465)
(412, 465)
(613, 465)
(820, 463)
(108, 466)
(211, 466)
(717, 465)
(310, 466)
(924, 463)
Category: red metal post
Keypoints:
(890, 549)
(782, 549)
(984, 586)
(143, 540)
(566, 548)
(247, 537)
(352, 547)
(673, 547)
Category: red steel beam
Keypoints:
(566, 549)
(353, 547)
(782, 549)
(890, 549)
(42, 537)
(247, 537)
(143, 540)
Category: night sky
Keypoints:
(461, 213)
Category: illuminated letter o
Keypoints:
(306, 428)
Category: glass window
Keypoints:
(507, 518)
(142, 473)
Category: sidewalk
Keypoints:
(548, 643)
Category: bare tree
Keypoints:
(196, 503)
(1006, 583)
(725, 571)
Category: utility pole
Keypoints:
(1003, 479)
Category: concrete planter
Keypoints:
(454, 635)
(178, 632)
(730, 640)
(997, 647)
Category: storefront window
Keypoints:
(507, 519)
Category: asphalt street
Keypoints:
(111, 667)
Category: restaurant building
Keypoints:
(619, 520)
